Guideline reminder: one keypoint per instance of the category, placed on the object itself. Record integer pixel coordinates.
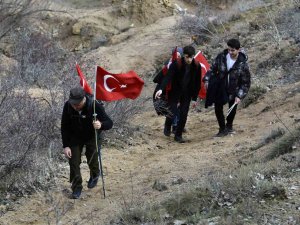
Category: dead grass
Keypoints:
(270, 138)
(254, 94)
(284, 145)
(240, 197)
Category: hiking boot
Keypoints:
(222, 133)
(76, 193)
(92, 182)
(179, 139)
(230, 130)
(167, 132)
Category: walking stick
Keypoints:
(98, 146)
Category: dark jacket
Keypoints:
(176, 75)
(235, 82)
(77, 129)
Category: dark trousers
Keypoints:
(75, 161)
(220, 115)
(183, 113)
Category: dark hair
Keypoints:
(234, 43)
(189, 50)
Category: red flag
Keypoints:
(174, 55)
(204, 68)
(83, 82)
(111, 87)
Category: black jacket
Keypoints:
(78, 128)
(234, 82)
(176, 75)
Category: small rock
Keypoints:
(179, 222)
(159, 186)
(178, 180)
(76, 28)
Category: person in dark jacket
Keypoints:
(228, 80)
(184, 75)
(161, 105)
(78, 130)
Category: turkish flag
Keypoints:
(83, 82)
(174, 54)
(204, 68)
(111, 87)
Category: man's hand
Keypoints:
(237, 100)
(68, 152)
(97, 124)
(194, 104)
(158, 94)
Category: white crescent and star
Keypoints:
(107, 88)
(204, 67)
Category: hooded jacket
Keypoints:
(235, 82)
(77, 128)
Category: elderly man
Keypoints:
(78, 130)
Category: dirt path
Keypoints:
(131, 172)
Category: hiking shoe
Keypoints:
(76, 193)
(179, 139)
(230, 130)
(92, 182)
(222, 133)
(167, 132)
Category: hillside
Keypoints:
(253, 175)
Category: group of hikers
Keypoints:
(227, 81)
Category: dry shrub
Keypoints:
(284, 145)
(254, 93)
(270, 138)
(28, 137)
(194, 202)
(212, 19)
(13, 12)
(199, 27)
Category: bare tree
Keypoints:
(12, 12)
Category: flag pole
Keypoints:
(230, 109)
(98, 145)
